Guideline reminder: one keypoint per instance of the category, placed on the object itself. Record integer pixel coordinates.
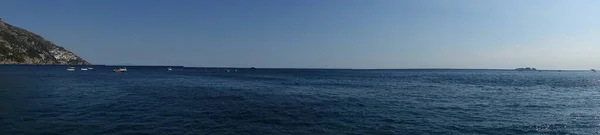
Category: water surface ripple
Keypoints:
(150, 100)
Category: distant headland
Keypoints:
(19, 46)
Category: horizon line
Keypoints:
(424, 68)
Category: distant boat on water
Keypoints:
(84, 69)
(120, 70)
(71, 69)
(526, 69)
(169, 69)
(90, 68)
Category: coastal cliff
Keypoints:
(19, 46)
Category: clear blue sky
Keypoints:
(550, 34)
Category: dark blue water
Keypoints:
(150, 100)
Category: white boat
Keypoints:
(71, 69)
(90, 68)
(169, 69)
(84, 69)
(120, 70)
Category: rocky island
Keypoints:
(19, 46)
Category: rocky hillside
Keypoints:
(19, 46)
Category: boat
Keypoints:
(120, 70)
(526, 69)
(90, 68)
(84, 69)
(71, 69)
(169, 69)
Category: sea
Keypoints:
(197, 101)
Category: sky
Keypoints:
(491, 34)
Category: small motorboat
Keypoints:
(71, 69)
(90, 68)
(84, 69)
(169, 69)
(120, 70)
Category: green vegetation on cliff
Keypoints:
(19, 46)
